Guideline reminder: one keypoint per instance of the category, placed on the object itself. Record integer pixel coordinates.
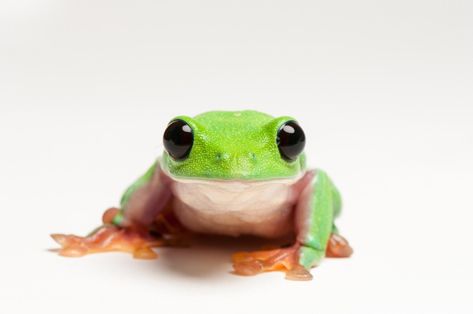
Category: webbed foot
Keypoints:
(137, 240)
(109, 239)
(286, 259)
(283, 259)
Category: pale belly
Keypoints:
(261, 208)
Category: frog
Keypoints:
(227, 173)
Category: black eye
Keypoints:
(178, 139)
(290, 140)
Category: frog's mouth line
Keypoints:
(236, 182)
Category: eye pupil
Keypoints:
(290, 140)
(178, 139)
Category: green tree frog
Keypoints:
(227, 173)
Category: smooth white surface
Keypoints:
(382, 89)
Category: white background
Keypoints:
(383, 90)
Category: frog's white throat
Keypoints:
(234, 207)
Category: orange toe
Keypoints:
(338, 246)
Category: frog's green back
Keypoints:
(234, 145)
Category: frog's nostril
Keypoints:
(221, 156)
(236, 159)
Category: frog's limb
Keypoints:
(314, 217)
(319, 203)
(144, 199)
(128, 228)
(337, 245)
(109, 239)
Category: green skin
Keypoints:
(217, 155)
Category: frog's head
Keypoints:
(239, 145)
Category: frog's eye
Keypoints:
(178, 139)
(290, 140)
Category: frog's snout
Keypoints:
(241, 164)
(224, 157)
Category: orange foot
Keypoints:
(338, 246)
(108, 239)
(283, 259)
(136, 240)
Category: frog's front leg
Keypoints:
(143, 209)
(318, 205)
